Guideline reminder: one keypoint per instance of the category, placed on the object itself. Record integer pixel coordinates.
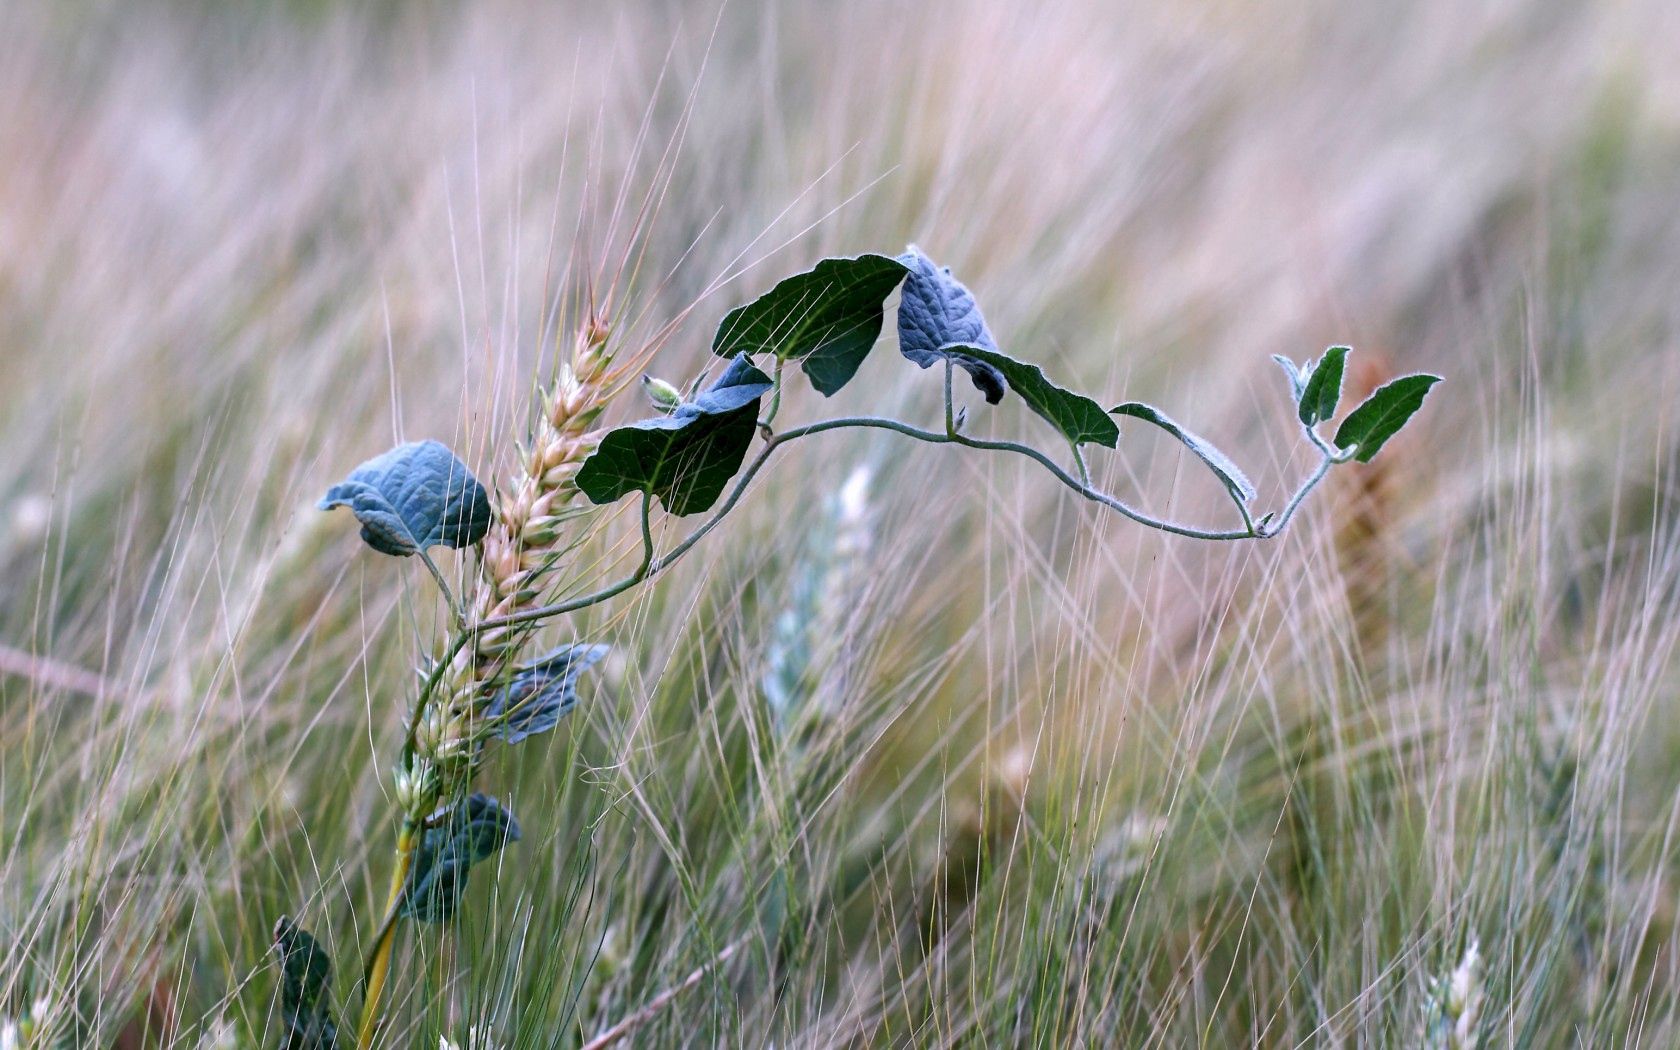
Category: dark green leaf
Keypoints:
(686, 458)
(1217, 461)
(1078, 417)
(827, 318)
(1382, 414)
(1324, 387)
(938, 317)
(1297, 377)
(415, 496)
(541, 692)
(472, 832)
(305, 1005)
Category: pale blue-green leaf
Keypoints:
(472, 832)
(415, 496)
(541, 692)
(935, 314)
(306, 1019)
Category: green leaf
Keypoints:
(1382, 414)
(1324, 387)
(305, 1005)
(1297, 377)
(1078, 417)
(827, 318)
(938, 316)
(1217, 461)
(472, 832)
(686, 458)
(415, 496)
(541, 692)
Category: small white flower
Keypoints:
(9, 1037)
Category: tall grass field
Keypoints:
(918, 748)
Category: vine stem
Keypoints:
(654, 565)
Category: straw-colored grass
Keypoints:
(954, 759)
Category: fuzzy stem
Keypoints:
(659, 564)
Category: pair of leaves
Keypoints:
(470, 833)
(541, 692)
(1317, 389)
(305, 1002)
(1235, 482)
(415, 496)
(829, 318)
(684, 459)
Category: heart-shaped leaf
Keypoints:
(1221, 465)
(938, 318)
(305, 1005)
(1324, 387)
(827, 318)
(472, 832)
(686, 458)
(541, 692)
(1078, 417)
(1380, 416)
(415, 496)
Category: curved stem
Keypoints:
(1055, 469)
(443, 585)
(651, 566)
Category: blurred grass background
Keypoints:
(955, 759)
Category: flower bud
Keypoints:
(664, 396)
